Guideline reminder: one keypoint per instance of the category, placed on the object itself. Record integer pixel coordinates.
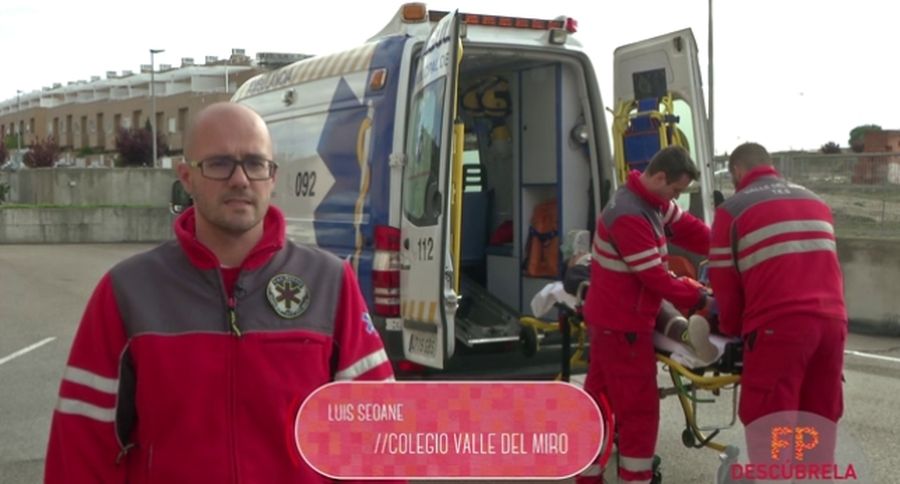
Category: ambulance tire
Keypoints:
(529, 341)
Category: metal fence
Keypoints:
(862, 189)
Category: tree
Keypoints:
(10, 141)
(134, 148)
(4, 153)
(858, 134)
(42, 153)
(830, 148)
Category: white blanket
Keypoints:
(553, 293)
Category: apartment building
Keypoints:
(85, 115)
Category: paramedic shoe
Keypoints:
(696, 336)
(657, 470)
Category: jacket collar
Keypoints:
(634, 184)
(756, 174)
(201, 257)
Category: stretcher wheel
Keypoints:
(529, 341)
(688, 438)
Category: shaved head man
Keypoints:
(229, 203)
(192, 359)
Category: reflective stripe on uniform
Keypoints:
(636, 464)
(362, 365)
(641, 255)
(618, 265)
(784, 228)
(721, 263)
(783, 248)
(611, 264)
(84, 409)
(646, 265)
(720, 251)
(91, 380)
(604, 245)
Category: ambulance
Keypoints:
(448, 156)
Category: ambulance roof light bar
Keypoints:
(562, 23)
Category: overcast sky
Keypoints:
(788, 73)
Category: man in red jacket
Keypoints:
(629, 280)
(191, 360)
(775, 273)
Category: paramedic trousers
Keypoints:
(623, 369)
(791, 366)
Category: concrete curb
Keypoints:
(875, 328)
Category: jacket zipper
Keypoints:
(231, 364)
(232, 317)
(231, 425)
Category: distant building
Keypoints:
(87, 114)
(879, 169)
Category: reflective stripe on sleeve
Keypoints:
(362, 365)
(641, 255)
(84, 409)
(91, 380)
(647, 265)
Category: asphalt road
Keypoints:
(43, 289)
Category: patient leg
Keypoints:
(693, 332)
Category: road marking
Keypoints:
(26, 349)
(874, 357)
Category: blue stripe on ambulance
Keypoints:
(334, 218)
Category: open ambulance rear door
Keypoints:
(427, 295)
(668, 66)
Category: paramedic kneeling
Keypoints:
(775, 273)
(629, 280)
(192, 359)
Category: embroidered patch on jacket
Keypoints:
(288, 295)
(369, 325)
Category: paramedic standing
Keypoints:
(775, 273)
(629, 280)
(191, 360)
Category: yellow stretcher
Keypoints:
(694, 387)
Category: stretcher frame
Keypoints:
(686, 382)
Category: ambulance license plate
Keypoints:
(424, 344)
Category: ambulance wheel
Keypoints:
(529, 341)
(687, 438)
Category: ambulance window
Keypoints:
(422, 198)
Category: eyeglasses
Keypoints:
(221, 167)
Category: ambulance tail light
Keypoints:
(407, 368)
(386, 271)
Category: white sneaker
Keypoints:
(697, 337)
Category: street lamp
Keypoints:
(153, 101)
(19, 124)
